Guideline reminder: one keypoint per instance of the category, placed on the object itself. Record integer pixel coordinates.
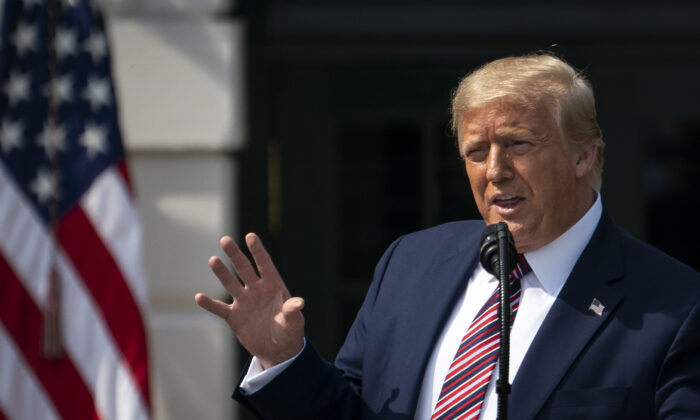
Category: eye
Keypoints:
(477, 154)
(520, 146)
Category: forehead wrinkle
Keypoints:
(505, 131)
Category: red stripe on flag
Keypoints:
(22, 319)
(124, 172)
(110, 291)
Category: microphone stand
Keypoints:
(502, 385)
(497, 254)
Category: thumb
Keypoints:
(292, 305)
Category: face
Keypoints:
(521, 173)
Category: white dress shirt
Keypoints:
(539, 290)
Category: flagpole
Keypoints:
(52, 348)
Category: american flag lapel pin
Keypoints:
(597, 307)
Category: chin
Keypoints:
(520, 237)
(515, 228)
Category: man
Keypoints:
(605, 326)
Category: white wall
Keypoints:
(179, 78)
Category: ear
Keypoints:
(584, 160)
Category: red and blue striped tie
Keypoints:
(465, 385)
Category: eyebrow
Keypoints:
(501, 132)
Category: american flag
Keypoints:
(72, 288)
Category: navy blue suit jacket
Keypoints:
(639, 360)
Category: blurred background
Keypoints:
(323, 126)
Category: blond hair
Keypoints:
(528, 81)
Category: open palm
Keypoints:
(265, 318)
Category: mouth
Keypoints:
(507, 203)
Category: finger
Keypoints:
(260, 255)
(216, 307)
(226, 277)
(240, 262)
(291, 312)
(294, 304)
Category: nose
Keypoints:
(498, 165)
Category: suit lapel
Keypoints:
(570, 324)
(449, 277)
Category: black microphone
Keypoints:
(498, 256)
(489, 250)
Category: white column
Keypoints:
(179, 75)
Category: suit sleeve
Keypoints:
(678, 390)
(311, 387)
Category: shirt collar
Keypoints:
(565, 250)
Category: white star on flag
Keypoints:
(52, 139)
(65, 43)
(96, 45)
(97, 92)
(17, 88)
(94, 139)
(45, 186)
(25, 38)
(10, 135)
(60, 89)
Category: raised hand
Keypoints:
(265, 318)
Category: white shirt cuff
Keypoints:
(257, 377)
